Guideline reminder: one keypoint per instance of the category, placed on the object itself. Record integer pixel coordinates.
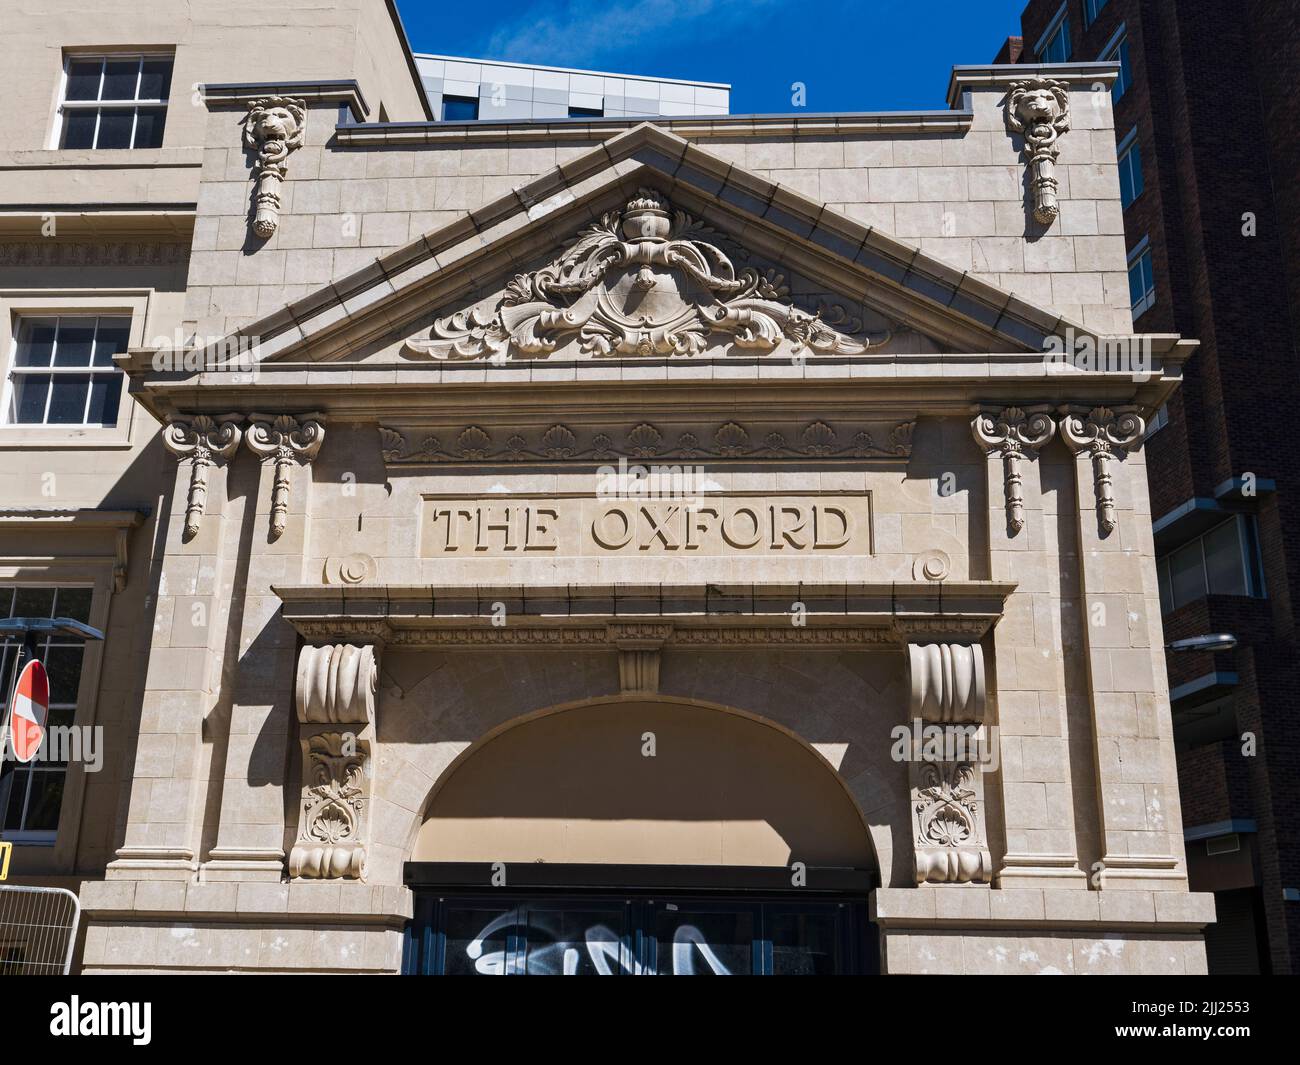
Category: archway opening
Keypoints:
(641, 835)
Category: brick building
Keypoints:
(1207, 127)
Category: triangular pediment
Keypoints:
(648, 246)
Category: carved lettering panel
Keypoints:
(589, 526)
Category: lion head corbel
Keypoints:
(1039, 110)
(273, 128)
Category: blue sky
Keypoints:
(872, 55)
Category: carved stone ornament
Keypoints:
(1013, 434)
(350, 569)
(285, 440)
(643, 281)
(1039, 108)
(336, 684)
(643, 440)
(273, 128)
(640, 646)
(1103, 434)
(946, 681)
(336, 794)
(948, 822)
(201, 441)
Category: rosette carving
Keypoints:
(1103, 435)
(285, 440)
(644, 280)
(202, 441)
(1039, 108)
(274, 128)
(1013, 434)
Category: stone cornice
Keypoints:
(1078, 75)
(759, 614)
(313, 93)
(847, 388)
(693, 128)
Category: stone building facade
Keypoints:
(592, 546)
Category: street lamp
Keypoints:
(1214, 642)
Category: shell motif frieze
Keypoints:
(645, 441)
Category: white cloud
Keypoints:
(591, 33)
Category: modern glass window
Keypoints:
(586, 112)
(1130, 170)
(115, 101)
(1118, 53)
(1091, 9)
(1141, 279)
(1056, 45)
(459, 108)
(62, 371)
(1223, 561)
(32, 794)
(676, 935)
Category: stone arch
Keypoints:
(571, 783)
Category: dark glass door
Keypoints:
(499, 934)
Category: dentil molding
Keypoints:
(273, 128)
(1039, 109)
(202, 441)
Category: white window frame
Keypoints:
(1054, 27)
(89, 370)
(1123, 152)
(65, 105)
(1148, 298)
(132, 303)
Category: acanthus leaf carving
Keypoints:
(1103, 434)
(642, 281)
(1039, 109)
(947, 822)
(336, 793)
(273, 128)
(1013, 434)
(202, 441)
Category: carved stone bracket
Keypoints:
(202, 441)
(946, 686)
(335, 699)
(1103, 434)
(285, 439)
(273, 128)
(640, 646)
(1039, 108)
(335, 797)
(336, 684)
(1013, 434)
(948, 822)
(946, 682)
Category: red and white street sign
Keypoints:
(29, 710)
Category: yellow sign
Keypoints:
(6, 849)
